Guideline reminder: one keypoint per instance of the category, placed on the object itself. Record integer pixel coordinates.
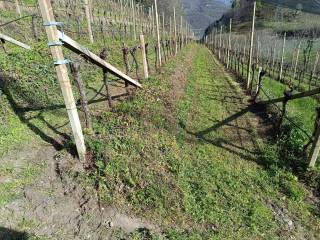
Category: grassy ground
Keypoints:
(192, 167)
(302, 110)
(32, 109)
(194, 164)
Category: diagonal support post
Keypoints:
(62, 73)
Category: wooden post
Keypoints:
(180, 32)
(251, 44)
(282, 56)
(18, 8)
(316, 144)
(163, 28)
(152, 14)
(62, 73)
(158, 32)
(229, 43)
(144, 57)
(314, 67)
(134, 20)
(220, 42)
(215, 41)
(186, 34)
(5, 38)
(243, 57)
(296, 62)
(170, 35)
(175, 31)
(88, 16)
(273, 59)
(163, 38)
(121, 12)
(258, 50)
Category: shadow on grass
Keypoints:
(229, 146)
(8, 234)
(31, 104)
(21, 113)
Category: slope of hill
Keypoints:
(279, 16)
(201, 13)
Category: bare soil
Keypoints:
(58, 205)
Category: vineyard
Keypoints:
(118, 122)
(124, 24)
(278, 70)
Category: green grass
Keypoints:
(194, 180)
(154, 158)
(31, 95)
(302, 110)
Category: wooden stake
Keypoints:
(88, 16)
(180, 32)
(62, 73)
(18, 8)
(215, 41)
(144, 57)
(251, 45)
(153, 27)
(170, 35)
(175, 31)
(158, 32)
(15, 42)
(282, 56)
(220, 42)
(134, 20)
(316, 144)
(229, 43)
(163, 28)
(315, 67)
(186, 33)
(296, 62)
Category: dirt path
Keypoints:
(179, 78)
(57, 204)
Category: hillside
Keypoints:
(201, 13)
(278, 16)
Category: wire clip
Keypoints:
(61, 25)
(52, 44)
(62, 62)
(49, 24)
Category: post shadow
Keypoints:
(9, 234)
(228, 145)
(20, 112)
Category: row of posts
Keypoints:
(62, 70)
(315, 149)
(152, 23)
